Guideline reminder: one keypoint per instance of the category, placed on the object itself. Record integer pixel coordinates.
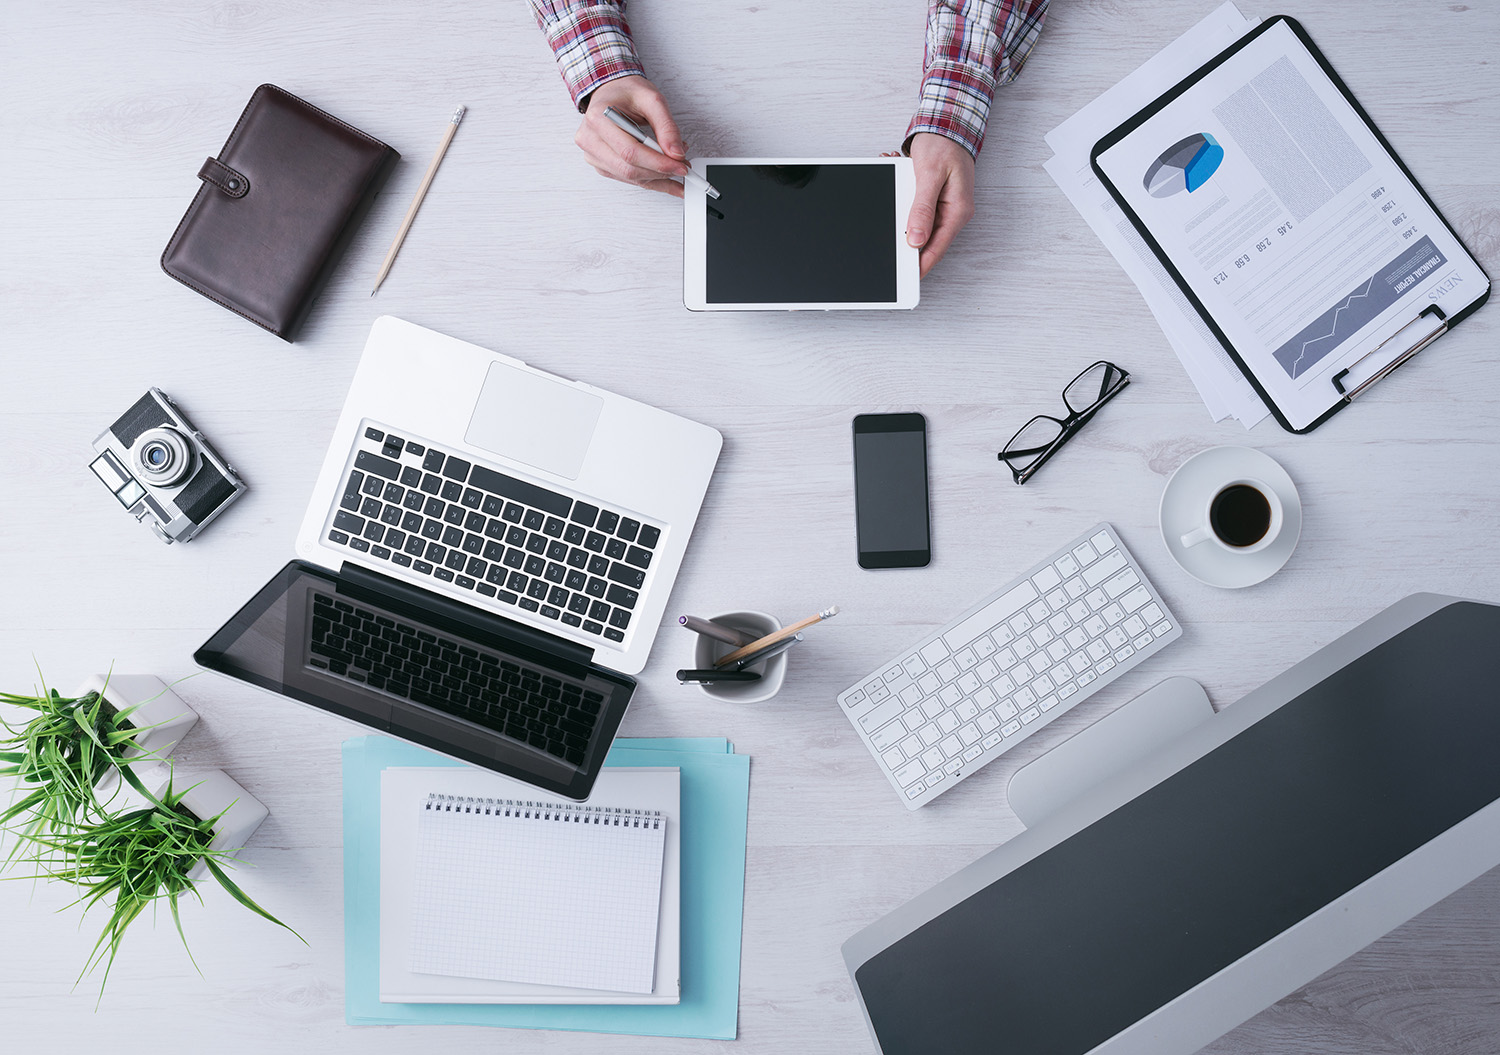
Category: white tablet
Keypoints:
(799, 233)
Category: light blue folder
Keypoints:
(715, 802)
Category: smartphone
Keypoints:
(890, 491)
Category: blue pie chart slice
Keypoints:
(1184, 166)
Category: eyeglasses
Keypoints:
(1040, 438)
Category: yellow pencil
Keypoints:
(772, 638)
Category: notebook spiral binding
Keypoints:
(561, 813)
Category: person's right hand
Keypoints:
(615, 153)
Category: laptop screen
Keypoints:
(442, 675)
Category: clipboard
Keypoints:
(1290, 224)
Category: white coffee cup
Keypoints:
(1206, 531)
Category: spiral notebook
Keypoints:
(492, 893)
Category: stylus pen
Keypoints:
(718, 631)
(640, 135)
(759, 654)
(708, 677)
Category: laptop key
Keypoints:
(555, 573)
(456, 560)
(649, 536)
(517, 582)
(374, 463)
(599, 610)
(373, 531)
(359, 544)
(573, 535)
(395, 539)
(596, 587)
(402, 559)
(493, 550)
(535, 565)
(452, 491)
(513, 513)
(641, 558)
(492, 506)
(496, 574)
(594, 541)
(620, 618)
(443, 573)
(414, 501)
(628, 576)
(476, 567)
(456, 468)
(579, 603)
(613, 634)
(339, 537)
(473, 544)
(537, 589)
(415, 545)
(598, 564)
(350, 501)
(623, 597)
(431, 484)
(533, 519)
(578, 558)
(391, 515)
(536, 543)
(466, 582)
(593, 627)
(452, 536)
(571, 619)
(422, 566)
(514, 558)
(576, 579)
(529, 604)
(550, 612)
(436, 553)
(348, 522)
(486, 589)
(614, 549)
(628, 529)
(433, 462)
(553, 527)
(516, 536)
(607, 522)
(558, 595)
(472, 498)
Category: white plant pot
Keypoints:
(162, 715)
(209, 793)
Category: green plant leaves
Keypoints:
(121, 861)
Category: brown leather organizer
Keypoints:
(276, 209)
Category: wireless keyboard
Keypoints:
(1031, 650)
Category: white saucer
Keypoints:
(1189, 490)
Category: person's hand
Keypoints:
(944, 200)
(615, 153)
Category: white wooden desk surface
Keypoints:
(110, 109)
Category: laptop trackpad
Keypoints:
(544, 423)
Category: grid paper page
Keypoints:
(530, 892)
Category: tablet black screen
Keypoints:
(801, 234)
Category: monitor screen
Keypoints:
(1095, 933)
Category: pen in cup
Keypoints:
(645, 138)
(776, 648)
(718, 631)
(708, 677)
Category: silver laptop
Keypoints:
(547, 501)
(484, 562)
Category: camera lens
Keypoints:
(163, 456)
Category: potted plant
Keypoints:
(72, 824)
(62, 755)
(138, 858)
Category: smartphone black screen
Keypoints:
(890, 490)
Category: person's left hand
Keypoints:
(945, 196)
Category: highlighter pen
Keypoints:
(718, 631)
(640, 135)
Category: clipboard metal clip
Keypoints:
(1422, 342)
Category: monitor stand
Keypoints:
(1112, 744)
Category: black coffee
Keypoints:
(1240, 515)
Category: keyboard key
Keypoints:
(628, 529)
(649, 536)
(1102, 542)
(620, 595)
(452, 491)
(374, 463)
(614, 635)
(641, 558)
(374, 434)
(348, 522)
(339, 537)
(370, 507)
(359, 544)
(627, 576)
(888, 735)
(607, 522)
(910, 773)
(584, 514)
(526, 493)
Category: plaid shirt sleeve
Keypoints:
(591, 42)
(973, 47)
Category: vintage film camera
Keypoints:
(160, 467)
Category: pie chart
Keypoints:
(1184, 166)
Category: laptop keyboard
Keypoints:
(1033, 649)
(549, 713)
(469, 529)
